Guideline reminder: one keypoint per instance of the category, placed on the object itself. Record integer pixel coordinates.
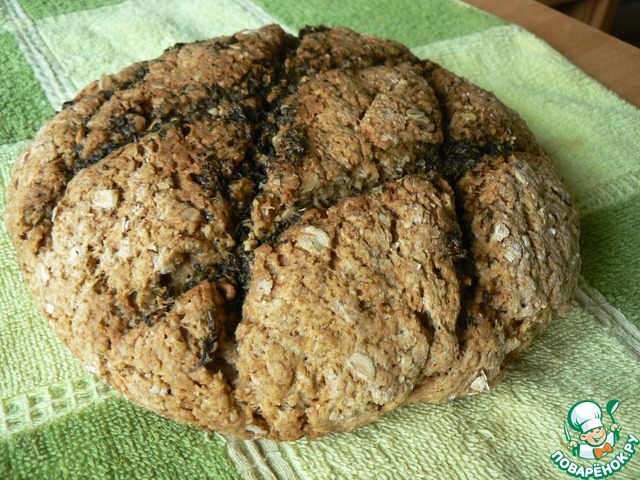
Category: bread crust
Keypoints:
(278, 236)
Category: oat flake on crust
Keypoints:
(278, 236)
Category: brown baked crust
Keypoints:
(389, 298)
(277, 236)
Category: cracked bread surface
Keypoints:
(278, 236)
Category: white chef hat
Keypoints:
(585, 416)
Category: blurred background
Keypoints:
(619, 18)
(626, 22)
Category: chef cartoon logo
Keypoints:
(589, 438)
(586, 418)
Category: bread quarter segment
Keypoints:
(341, 312)
(275, 236)
(523, 235)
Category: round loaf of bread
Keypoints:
(276, 236)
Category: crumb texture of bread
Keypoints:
(277, 236)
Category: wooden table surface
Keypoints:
(610, 61)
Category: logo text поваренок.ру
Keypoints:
(596, 470)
